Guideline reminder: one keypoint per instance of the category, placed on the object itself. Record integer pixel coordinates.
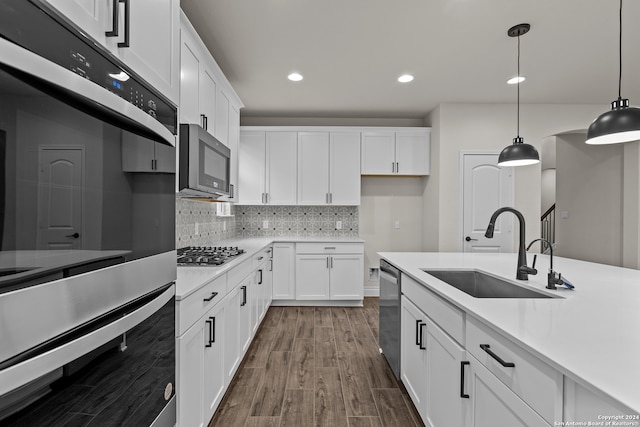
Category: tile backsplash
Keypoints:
(211, 228)
(249, 221)
(299, 221)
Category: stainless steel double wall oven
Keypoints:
(87, 260)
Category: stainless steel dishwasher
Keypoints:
(389, 322)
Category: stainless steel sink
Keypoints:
(479, 284)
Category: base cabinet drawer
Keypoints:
(490, 403)
(535, 382)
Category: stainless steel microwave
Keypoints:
(204, 165)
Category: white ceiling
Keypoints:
(352, 51)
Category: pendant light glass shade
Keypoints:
(621, 123)
(518, 153)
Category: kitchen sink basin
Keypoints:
(479, 284)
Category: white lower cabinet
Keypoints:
(431, 369)
(329, 271)
(190, 361)
(493, 404)
(214, 373)
(245, 323)
(232, 348)
(479, 379)
(201, 376)
(284, 258)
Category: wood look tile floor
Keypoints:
(316, 366)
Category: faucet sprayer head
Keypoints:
(489, 233)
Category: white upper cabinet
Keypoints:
(400, 152)
(378, 153)
(198, 81)
(207, 98)
(313, 168)
(328, 168)
(344, 168)
(153, 43)
(267, 168)
(150, 47)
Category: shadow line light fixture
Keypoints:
(621, 123)
(519, 153)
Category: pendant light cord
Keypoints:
(518, 108)
(620, 56)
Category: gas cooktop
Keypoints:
(206, 255)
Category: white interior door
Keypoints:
(485, 188)
(60, 198)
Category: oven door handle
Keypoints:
(21, 373)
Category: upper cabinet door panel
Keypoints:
(252, 171)
(313, 168)
(412, 153)
(282, 149)
(344, 173)
(93, 16)
(154, 44)
(378, 153)
(222, 117)
(208, 95)
(189, 84)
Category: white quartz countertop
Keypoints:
(190, 279)
(590, 334)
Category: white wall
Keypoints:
(547, 189)
(489, 126)
(631, 206)
(384, 201)
(589, 200)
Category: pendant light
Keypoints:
(519, 153)
(622, 123)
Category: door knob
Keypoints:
(468, 239)
(74, 235)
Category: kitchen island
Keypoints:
(587, 336)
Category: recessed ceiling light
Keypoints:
(515, 80)
(405, 78)
(295, 77)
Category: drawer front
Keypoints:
(535, 382)
(261, 257)
(196, 305)
(329, 248)
(239, 273)
(441, 312)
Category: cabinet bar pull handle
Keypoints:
(127, 20)
(462, 393)
(260, 258)
(487, 348)
(393, 167)
(208, 344)
(213, 329)
(213, 295)
(271, 265)
(422, 347)
(331, 198)
(331, 258)
(114, 29)
(260, 281)
(267, 197)
(397, 167)
(329, 247)
(418, 343)
(244, 296)
(232, 193)
(327, 262)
